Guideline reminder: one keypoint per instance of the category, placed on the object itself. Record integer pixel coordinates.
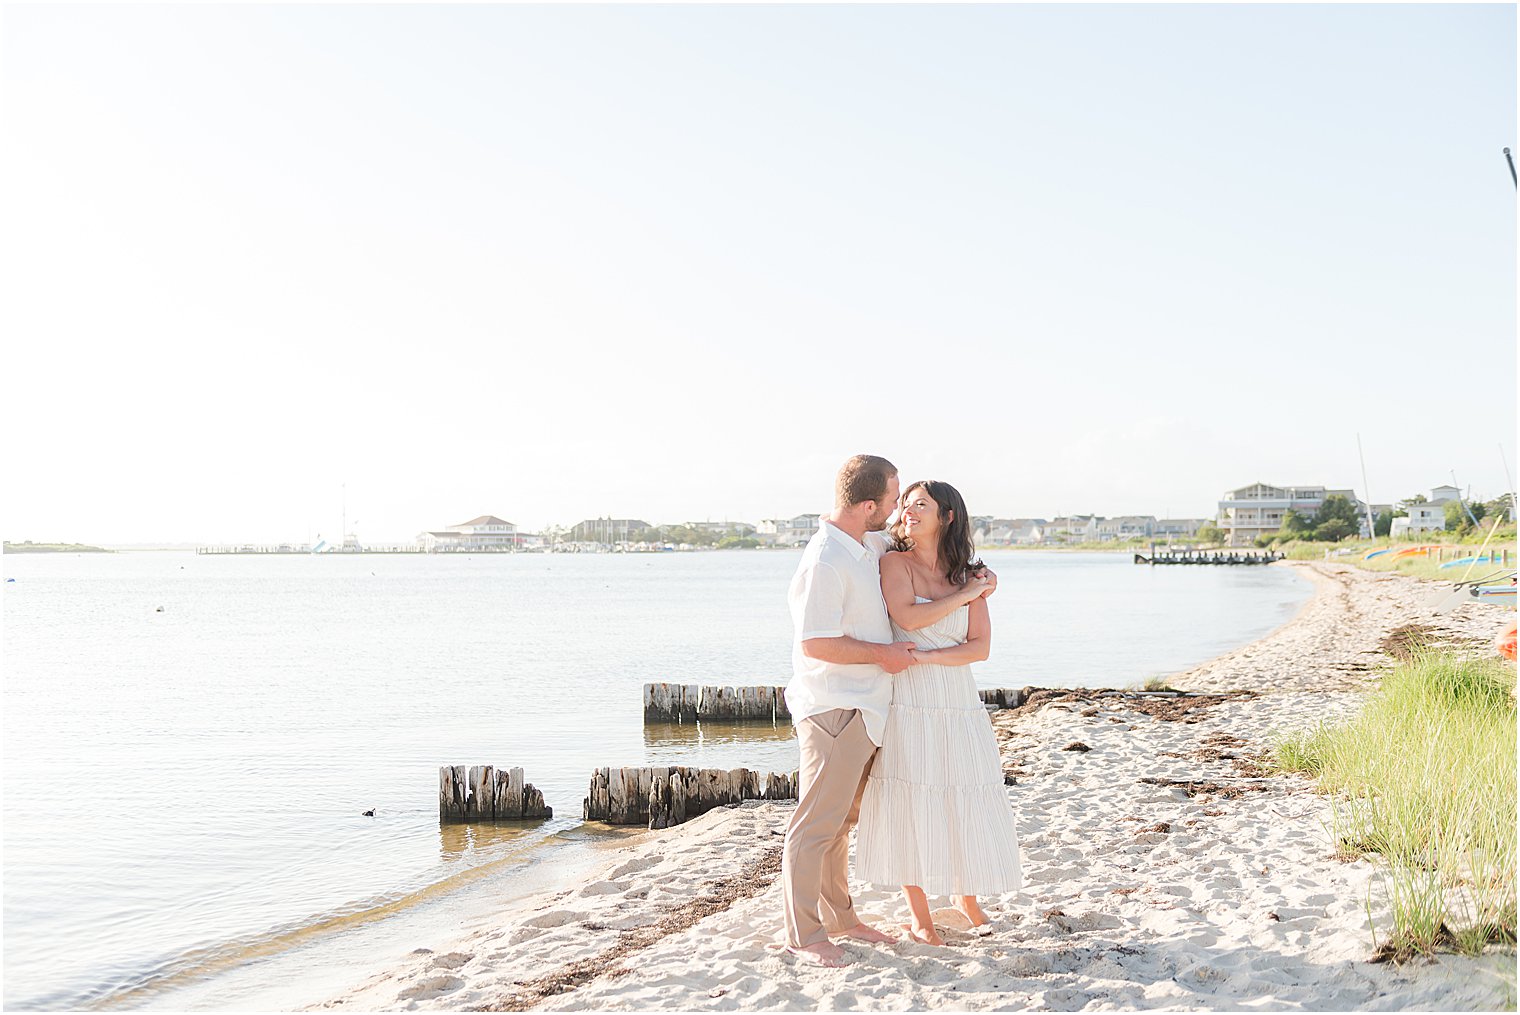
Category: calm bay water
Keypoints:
(184, 789)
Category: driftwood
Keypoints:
(694, 703)
(487, 793)
(664, 796)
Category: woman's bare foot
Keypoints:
(865, 932)
(823, 953)
(971, 910)
(924, 935)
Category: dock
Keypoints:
(1210, 557)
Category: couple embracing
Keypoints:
(892, 732)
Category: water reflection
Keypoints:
(488, 837)
(764, 747)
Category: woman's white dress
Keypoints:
(936, 813)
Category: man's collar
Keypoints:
(857, 549)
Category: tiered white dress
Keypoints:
(935, 812)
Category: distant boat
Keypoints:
(1378, 553)
(321, 546)
(1499, 595)
(1411, 551)
(1492, 558)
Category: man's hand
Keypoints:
(988, 581)
(896, 657)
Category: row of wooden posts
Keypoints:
(698, 702)
(488, 793)
(683, 703)
(656, 796)
(662, 796)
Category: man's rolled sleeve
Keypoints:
(822, 604)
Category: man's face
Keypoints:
(884, 507)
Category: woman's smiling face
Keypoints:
(920, 513)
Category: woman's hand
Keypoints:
(991, 579)
(977, 586)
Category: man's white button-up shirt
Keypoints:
(835, 593)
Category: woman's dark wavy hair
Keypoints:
(957, 552)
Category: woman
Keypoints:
(935, 816)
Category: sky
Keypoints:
(677, 263)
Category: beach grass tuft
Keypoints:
(1424, 784)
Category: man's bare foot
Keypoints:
(865, 932)
(924, 935)
(824, 953)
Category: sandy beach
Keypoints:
(1164, 869)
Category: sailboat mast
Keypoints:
(1470, 516)
(1371, 525)
(1509, 482)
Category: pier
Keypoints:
(1241, 556)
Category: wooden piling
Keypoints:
(487, 793)
(664, 796)
(1001, 697)
(671, 702)
(699, 703)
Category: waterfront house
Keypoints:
(1259, 509)
(1178, 528)
(1427, 516)
(794, 531)
(478, 534)
(1009, 531)
(1126, 527)
(1071, 529)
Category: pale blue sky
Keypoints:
(679, 262)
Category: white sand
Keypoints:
(1238, 904)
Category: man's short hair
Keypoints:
(863, 478)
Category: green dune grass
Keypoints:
(1424, 783)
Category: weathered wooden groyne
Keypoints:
(487, 793)
(662, 796)
(700, 702)
(683, 703)
(1004, 697)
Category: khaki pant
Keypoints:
(815, 859)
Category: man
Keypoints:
(841, 689)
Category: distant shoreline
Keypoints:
(28, 546)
